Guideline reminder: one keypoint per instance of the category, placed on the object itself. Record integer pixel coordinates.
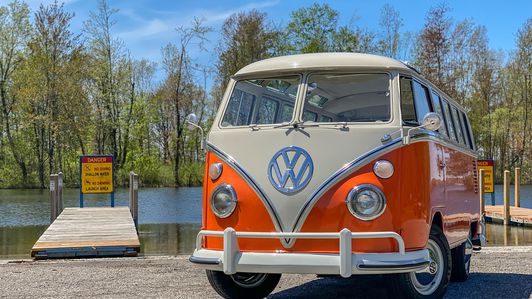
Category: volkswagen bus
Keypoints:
(337, 164)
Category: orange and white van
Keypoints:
(337, 164)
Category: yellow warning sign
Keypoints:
(96, 174)
(487, 165)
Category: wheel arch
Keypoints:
(437, 220)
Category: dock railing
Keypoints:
(134, 197)
(56, 195)
(481, 192)
(508, 211)
(517, 187)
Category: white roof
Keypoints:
(322, 61)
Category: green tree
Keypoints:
(15, 29)
(312, 29)
(245, 38)
(53, 48)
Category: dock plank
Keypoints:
(521, 216)
(84, 232)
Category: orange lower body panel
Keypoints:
(408, 208)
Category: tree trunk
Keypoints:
(16, 154)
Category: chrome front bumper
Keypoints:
(231, 260)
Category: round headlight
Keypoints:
(366, 202)
(383, 169)
(215, 170)
(223, 200)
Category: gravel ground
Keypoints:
(497, 272)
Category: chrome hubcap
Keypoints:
(433, 268)
(248, 280)
(428, 280)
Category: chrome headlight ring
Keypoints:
(368, 197)
(223, 200)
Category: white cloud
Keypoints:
(167, 21)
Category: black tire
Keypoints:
(410, 285)
(461, 257)
(243, 285)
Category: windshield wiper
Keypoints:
(282, 125)
(298, 124)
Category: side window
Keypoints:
(422, 100)
(457, 126)
(286, 113)
(325, 119)
(239, 110)
(438, 109)
(449, 120)
(467, 132)
(408, 109)
(267, 111)
(309, 116)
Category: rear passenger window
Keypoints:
(457, 126)
(438, 109)
(286, 113)
(325, 119)
(465, 129)
(267, 111)
(421, 100)
(449, 120)
(309, 116)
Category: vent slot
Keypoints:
(475, 175)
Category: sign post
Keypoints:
(489, 178)
(96, 176)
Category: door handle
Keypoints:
(442, 164)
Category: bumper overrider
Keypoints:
(345, 263)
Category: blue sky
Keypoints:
(147, 25)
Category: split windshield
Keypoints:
(347, 98)
(330, 98)
(261, 101)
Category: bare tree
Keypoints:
(391, 23)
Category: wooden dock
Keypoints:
(518, 216)
(89, 232)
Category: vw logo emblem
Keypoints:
(290, 169)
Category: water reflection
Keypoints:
(501, 235)
(168, 239)
(155, 239)
(16, 242)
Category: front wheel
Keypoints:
(243, 285)
(432, 281)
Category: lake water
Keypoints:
(169, 219)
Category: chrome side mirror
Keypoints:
(192, 121)
(431, 121)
